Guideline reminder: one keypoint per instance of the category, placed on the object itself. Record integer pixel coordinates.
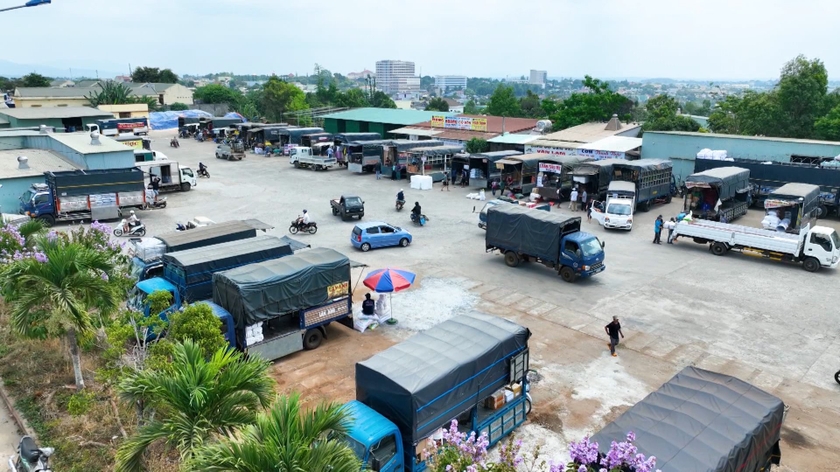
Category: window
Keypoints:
(386, 229)
(124, 114)
(821, 240)
(385, 450)
(373, 230)
(357, 230)
(571, 247)
(42, 198)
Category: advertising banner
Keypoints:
(549, 167)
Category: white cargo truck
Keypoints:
(617, 212)
(814, 247)
(302, 157)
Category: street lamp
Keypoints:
(30, 3)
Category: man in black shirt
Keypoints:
(368, 306)
(613, 331)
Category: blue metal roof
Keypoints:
(367, 425)
(154, 284)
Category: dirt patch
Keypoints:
(794, 438)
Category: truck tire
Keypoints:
(823, 212)
(568, 274)
(511, 259)
(312, 339)
(334, 211)
(811, 264)
(719, 249)
(47, 220)
(185, 187)
(297, 165)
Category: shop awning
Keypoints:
(407, 130)
(510, 162)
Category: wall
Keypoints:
(16, 123)
(135, 110)
(683, 149)
(11, 142)
(331, 125)
(178, 93)
(24, 102)
(106, 160)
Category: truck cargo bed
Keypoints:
(742, 236)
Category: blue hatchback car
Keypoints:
(375, 234)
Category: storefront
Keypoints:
(435, 161)
(555, 173)
(482, 168)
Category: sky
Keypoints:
(681, 39)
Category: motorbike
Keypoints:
(138, 230)
(150, 203)
(299, 226)
(400, 205)
(203, 173)
(837, 377)
(174, 143)
(30, 457)
(419, 221)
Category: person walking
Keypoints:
(559, 197)
(378, 169)
(670, 225)
(494, 186)
(589, 211)
(583, 199)
(613, 331)
(657, 230)
(574, 199)
(445, 183)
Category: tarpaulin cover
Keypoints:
(192, 270)
(259, 292)
(570, 163)
(207, 235)
(702, 421)
(424, 382)
(644, 165)
(238, 116)
(159, 120)
(810, 194)
(406, 144)
(495, 155)
(294, 244)
(345, 138)
(528, 231)
(93, 182)
(620, 187)
(728, 180)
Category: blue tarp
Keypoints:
(169, 119)
(233, 114)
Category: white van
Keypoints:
(617, 212)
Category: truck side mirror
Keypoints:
(375, 465)
(603, 244)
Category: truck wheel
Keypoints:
(823, 212)
(185, 187)
(297, 165)
(567, 274)
(365, 247)
(811, 264)
(719, 249)
(312, 339)
(511, 259)
(47, 220)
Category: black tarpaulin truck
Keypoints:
(797, 204)
(720, 194)
(702, 421)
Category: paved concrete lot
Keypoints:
(767, 323)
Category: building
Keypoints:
(375, 120)
(71, 118)
(567, 141)
(62, 83)
(454, 105)
(511, 142)
(396, 77)
(361, 75)
(538, 77)
(129, 110)
(165, 94)
(459, 129)
(681, 148)
(16, 177)
(450, 82)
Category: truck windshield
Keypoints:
(352, 201)
(27, 196)
(591, 247)
(358, 448)
(618, 209)
(136, 298)
(835, 239)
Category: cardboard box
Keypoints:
(516, 388)
(495, 401)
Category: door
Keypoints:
(820, 246)
(373, 236)
(383, 454)
(388, 235)
(598, 212)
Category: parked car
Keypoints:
(376, 234)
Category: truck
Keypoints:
(231, 152)
(814, 247)
(554, 240)
(617, 211)
(362, 156)
(341, 140)
(147, 254)
(793, 205)
(282, 306)
(767, 176)
(472, 368)
(118, 126)
(173, 176)
(309, 140)
(721, 194)
(77, 195)
(303, 158)
(701, 420)
(348, 206)
(653, 179)
(482, 215)
(294, 135)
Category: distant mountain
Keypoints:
(13, 69)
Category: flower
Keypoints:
(583, 451)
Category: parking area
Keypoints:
(770, 324)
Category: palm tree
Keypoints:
(193, 402)
(53, 297)
(115, 93)
(285, 439)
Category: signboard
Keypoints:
(133, 143)
(549, 167)
(130, 125)
(592, 153)
(459, 122)
(320, 315)
(598, 155)
(338, 290)
(550, 150)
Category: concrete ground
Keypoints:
(770, 324)
(9, 435)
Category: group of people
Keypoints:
(670, 225)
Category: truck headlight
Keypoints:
(606, 220)
(630, 220)
(586, 267)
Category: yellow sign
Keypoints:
(134, 143)
(479, 124)
(438, 121)
(338, 290)
(459, 122)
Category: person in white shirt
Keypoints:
(306, 219)
(574, 199)
(670, 225)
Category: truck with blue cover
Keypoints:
(554, 240)
(471, 368)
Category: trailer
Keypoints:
(293, 135)
(703, 421)
(595, 176)
(362, 156)
(653, 178)
(396, 153)
(814, 247)
(793, 205)
(433, 161)
(720, 194)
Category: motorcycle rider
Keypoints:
(401, 197)
(131, 222)
(303, 220)
(415, 212)
(202, 169)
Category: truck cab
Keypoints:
(138, 299)
(37, 200)
(617, 211)
(583, 253)
(376, 441)
(298, 152)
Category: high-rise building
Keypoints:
(445, 82)
(538, 77)
(396, 77)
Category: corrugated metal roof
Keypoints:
(416, 131)
(55, 92)
(4, 121)
(555, 144)
(515, 138)
(81, 143)
(40, 161)
(615, 144)
(496, 124)
(752, 138)
(41, 113)
(589, 132)
(386, 115)
(464, 135)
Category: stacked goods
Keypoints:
(254, 334)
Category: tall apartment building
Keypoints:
(445, 82)
(396, 77)
(538, 77)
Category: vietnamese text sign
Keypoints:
(549, 167)
(438, 121)
(549, 150)
(459, 122)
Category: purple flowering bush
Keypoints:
(621, 457)
(15, 247)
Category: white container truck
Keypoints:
(814, 247)
(173, 176)
(617, 212)
(302, 157)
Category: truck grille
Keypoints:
(597, 265)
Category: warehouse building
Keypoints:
(457, 130)
(20, 168)
(69, 118)
(682, 148)
(375, 120)
(77, 148)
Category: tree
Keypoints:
(753, 114)
(197, 400)
(470, 108)
(476, 145)
(801, 94)
(828, 127)
(286, 438)
(353, 98)
(117, 93)
(437, 104)
(53, 295)
(531, 106)
(380, 100)
(197, 323)
(279, 97)
(600, 104)
(167, 77)
(178, 106)
(503, 102)
(153, 74)
(7, 84)
(215, 93)
(34, 80)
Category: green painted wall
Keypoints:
(352, 127)
(331, 125)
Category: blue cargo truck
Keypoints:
(556, 241)
(472, 368)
